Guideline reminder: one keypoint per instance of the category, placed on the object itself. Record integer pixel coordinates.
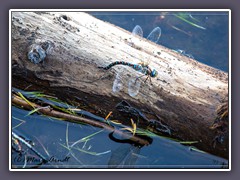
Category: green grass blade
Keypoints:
(188, 142)
(21, 122)
(98, 154)
(189, 22)
(67, 137)
(145, 132)
(84, 151)
(91, 153)
(91, 135)
(37, 109)
(18, 125)
(197, 150)
(33, 111)
(21, 95)
(65, 146)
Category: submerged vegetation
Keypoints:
(62, 111)
(188, 18)
(55, 108)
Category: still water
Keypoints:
(69, 145)
(203, 35)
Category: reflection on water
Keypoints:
(125, 155)
(204, 35)
(69, 145)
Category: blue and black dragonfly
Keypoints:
(134, 83)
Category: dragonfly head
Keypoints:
(153, 73)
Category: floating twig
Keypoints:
(76, 119)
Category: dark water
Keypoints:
(204, 35)
(62, 145)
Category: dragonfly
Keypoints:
(135, 83)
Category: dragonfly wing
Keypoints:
(124, 156)
(137, 30)
(134, 86)
(118, 81)
(154, 36)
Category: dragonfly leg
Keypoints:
(139, 78)
(150, 80)
(147, 79)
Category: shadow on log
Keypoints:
(61, 52)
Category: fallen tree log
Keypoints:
(63, 50)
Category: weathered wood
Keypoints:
(185, 94)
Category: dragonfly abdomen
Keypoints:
(138, 67)
(134, 66)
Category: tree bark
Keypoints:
(185, 94)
